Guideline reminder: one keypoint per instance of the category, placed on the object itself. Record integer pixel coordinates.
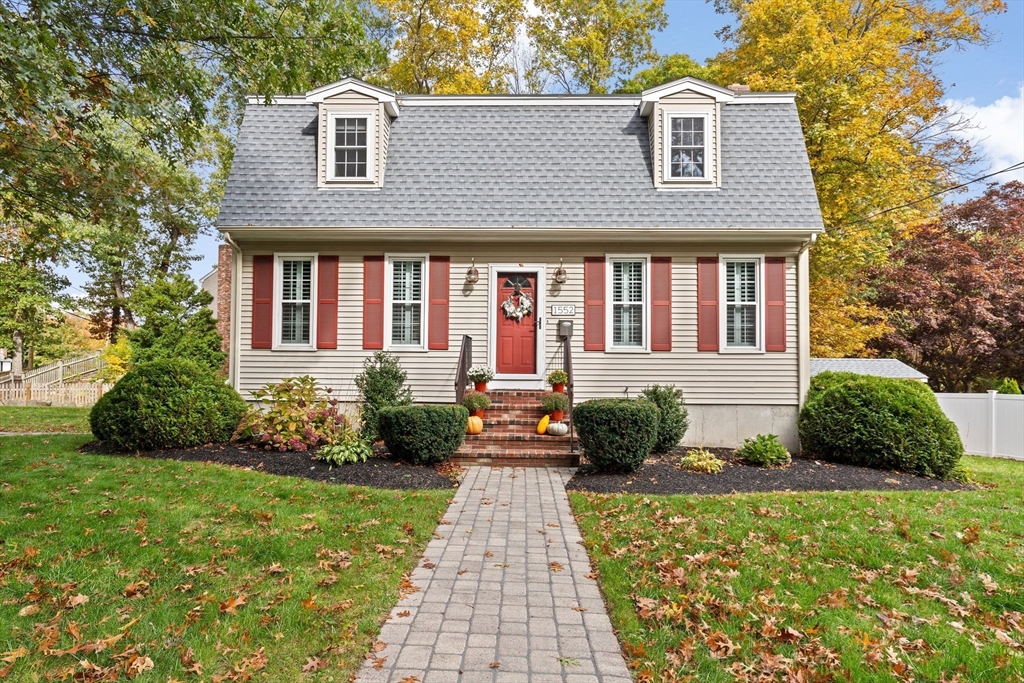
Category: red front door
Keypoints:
(517, 329)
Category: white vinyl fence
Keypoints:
(990, 424)
(79, 394)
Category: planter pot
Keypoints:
(556, 415)
(560, 388)
(480, 386)
(478, 413)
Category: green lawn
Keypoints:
(859, 586)
(115, 566)
(44, 419)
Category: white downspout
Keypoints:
(803, 296)
(236, 308)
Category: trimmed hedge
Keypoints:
(673, 420)
(420, 434)
(171, 403)
(878, 422)
(616, 434)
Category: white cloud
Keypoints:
(1000, 132)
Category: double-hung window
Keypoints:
(406, 293)
(628, 297)
(351, 151)
(686, 147)
(295, 300)
(742, 312)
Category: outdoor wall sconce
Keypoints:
(473, 275)
(561, 277)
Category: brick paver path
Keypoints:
(498, 587)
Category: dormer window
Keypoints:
(687, 145)
(351, 146)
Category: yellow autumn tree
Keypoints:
(877, 131)
(452, 46)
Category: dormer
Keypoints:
(684, 124)
(352, 132)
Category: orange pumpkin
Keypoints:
(474, 425)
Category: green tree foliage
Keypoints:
(673, 419)
(875, 121)
(584, 44)
(176, 323)
(668, 68)
(381, 384)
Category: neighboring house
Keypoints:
(671, 228)
(880, 367)
(209, 283)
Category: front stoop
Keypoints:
(510, 435)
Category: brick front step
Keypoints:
(561, 460)
(510, 436)
(519, 438)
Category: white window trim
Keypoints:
(389, 274)
(516, 381)
(666, 146)
(723, 304)
(371, 145)
(279, 300)
(609, 311)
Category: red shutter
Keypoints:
(593, 303)
(437, 315)
(327, 302)
(262, 301)
(373, 302)
(661, 303)
(775, 303)
(707, 303)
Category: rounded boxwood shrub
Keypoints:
(422, 435)
(616, 433)
(171, 403)
(673, 420)
(878, 422)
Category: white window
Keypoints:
(406, 286)
(628, 323)
(295, 294)
(741, 308)
(350, 146)
(686, 146)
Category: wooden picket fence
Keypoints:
(78, 394)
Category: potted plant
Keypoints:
(480, 375)
(476, 403)
(555, 403)
(558, 379)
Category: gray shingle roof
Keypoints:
(525, 165)
(880, 367)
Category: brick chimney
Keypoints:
(225, 259)
(737, 87)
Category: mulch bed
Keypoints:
(660, 475)
(381, 471)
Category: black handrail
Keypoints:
(567, 366)
(462, 372)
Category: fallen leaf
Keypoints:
(314, 664)
(231, 605)
(28, 610)
(13, 655)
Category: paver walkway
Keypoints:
(498, 587)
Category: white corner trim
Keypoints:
(609, 309)
(666, 147)
(371, 145)
(691, 84)
(276, 344)
(385, 97)
(389, 284)
(723, 305)
(540, 358)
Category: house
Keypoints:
(209, 283)
(879, 367)
(666, 232)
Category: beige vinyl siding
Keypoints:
(767, 379)
(688, 101)
(356, 103)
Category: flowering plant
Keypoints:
(297, 416)
(480, 373)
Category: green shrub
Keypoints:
(616, 433)
(381, 384)
(878, 422)
(558, 377)
(1008, 386)
(299, 415)
(554, 400)
(700, 460)
(764, 450)
(171, 403)
(673, 419)
(422, 435)
(347, 449)
(476, 400)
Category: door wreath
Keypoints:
(517, 311)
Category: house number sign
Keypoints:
(563, 310)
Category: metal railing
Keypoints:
(567, 366)
(462, 371)
(61, 371)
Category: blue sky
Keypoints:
(984, 82)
